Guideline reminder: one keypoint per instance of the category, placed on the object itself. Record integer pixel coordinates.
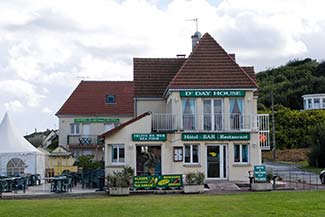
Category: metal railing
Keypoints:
(294, 179)
(83, 140)
(205, 122)
(264, 131)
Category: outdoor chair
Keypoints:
(67, 185)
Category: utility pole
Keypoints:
(273, 124)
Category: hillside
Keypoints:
(290, 82)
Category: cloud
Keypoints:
(22, 90)
(47, 47)
(14, 106)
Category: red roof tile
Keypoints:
(210, 66)
(119, 127)
(250, 71)
(152, 75)
(89, 99)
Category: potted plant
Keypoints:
(119, 182)
(194, 182)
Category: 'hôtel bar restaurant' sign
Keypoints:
(212, 93)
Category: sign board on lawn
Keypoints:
(163, 181)
(260, 173)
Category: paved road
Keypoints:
(292, 173)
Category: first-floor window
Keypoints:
(241, 153)
(191, 153)
(118, 153)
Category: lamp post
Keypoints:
(273, 124)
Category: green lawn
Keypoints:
(273, 204)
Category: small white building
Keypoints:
(314, 101)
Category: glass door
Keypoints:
(217, 161)
(148, 160)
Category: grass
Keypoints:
(304, 166)
(296, 204)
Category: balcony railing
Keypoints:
(206, 122)
(219, 122)
(83, 140)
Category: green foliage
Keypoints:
(316, 156)
(290, 82)
(196, 178)
(294, 128)
(87, 163)
(121, 178)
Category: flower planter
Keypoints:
(119, 191)
(193, 189)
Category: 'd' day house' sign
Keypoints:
(212, 93)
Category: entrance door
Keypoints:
(217, 161)
(148, 160)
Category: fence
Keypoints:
(295, 179)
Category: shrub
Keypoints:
(121, 178)
(195, 178)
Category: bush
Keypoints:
(121, 178)
(195, 178)
(316, 157)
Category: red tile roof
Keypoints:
(250, 71)
(152, 75)
(119, 127)
(210, 66)
(89, 99)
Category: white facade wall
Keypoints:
(173, 104)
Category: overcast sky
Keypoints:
(47, 47)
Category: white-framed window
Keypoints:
(241, 153)
(236, 106)
(189, 110)
(323, 103)
(191, 155)
(75, 129)
(212, 114)
(309, 104)
(316, 103)
(118, 153)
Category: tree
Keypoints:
(316, 156)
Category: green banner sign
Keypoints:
(212, 93)
(96, 120)
(149, 137)
(260, 173)
(215, 136)
(164, 181)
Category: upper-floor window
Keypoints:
(189, 110)
(110, 99)
(212, 114)
(75, 129)
(236, 113)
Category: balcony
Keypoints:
(220, 122)
(82, 141)
(207, 122)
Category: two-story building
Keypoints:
(93, 108)
(191, 114)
